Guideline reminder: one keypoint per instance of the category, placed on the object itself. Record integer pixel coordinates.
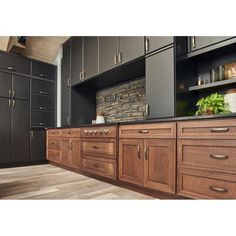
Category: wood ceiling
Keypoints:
(43, 48)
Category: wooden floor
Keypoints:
(50, 182)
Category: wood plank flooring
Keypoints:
(51, 182)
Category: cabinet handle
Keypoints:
(13, 103)
(215, 130)
(68, 120)
(115, 59)
(42, 75)
(9, 103)
(120, 57)
(193, 42)
(147, 110)
(31, 133)
(43, 108)
(10, 68)
(43, 92)
(13, 93)
(42, 124)
(80, 75)
(9, 93)
(95, 147)
(219, 157)
(147, 44)
(146, 153)
(219, 190)
(84, 74)
(143, 131)
(68, 82)
(139, 156)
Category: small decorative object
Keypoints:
(212, 104)
(100, 118)
(221, 73)
(230, 71)
(230, 99)
(213, 76)
(199, 81)
(93, 122)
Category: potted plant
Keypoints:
(212, 104)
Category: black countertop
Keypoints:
(146, 121)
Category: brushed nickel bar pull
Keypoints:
(219, 157)
(139, 152)
(68, 120)
(219, 190)
(146, 153)
(9, 103)
(31, 133)
(80, 75)
(42, 75)
(13, 93)
(43, 108)
(193, 42)
(84, 74)
(13, 103)
(115, 59)
(43, 92)
(120, 57)
(68, 82)
(9, 93)
(147, 110)
(147, 44)
(215, 130)
(41, 124)
(143, 131)
(10, 68)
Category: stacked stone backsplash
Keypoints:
(124, 102)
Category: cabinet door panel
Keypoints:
(90, 57)
(20, 87)
(42, 87)
(5, 84)
(159, 164)
(65, 108)
(66, 158)
(43, 70)
(160, 83)
(108, 47)
(38, 145)
(66, 65)
(131, 48)
(20, 131)
(130, 160)
(5, 131)
(44, 103)
(157, 42)
(42, 119)
(76, 162)
(76, 59)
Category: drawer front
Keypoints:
(103, 131)
(219, 154)
(44, 103)
(44, 119)
(162, 130)
(211, 129)
(101, 147)
(99, 167)
(43, 70)
(42, 87)
(205, 184)
(53, 133)
(73, 133)
(53, 155)
(54, 144)
(14, 63)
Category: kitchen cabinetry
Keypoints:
(66, 66)
(43, 70)
(157, 42)
(37, 145)
(66, 108)
(160, 84)
(149, 159)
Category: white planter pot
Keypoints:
(100, 120)
(231, 100)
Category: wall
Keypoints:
(124, 102)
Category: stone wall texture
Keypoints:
(124, 102)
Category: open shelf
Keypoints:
(213, 85)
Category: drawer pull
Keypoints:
(219, 157)
(42, 75)
(42, 124)
(219, 190)
(70, 132)
(143, 131)
(219, 130)
(10, 68)
(95, 147)
(43, 92)
(43, 108)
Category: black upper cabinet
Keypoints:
(38, 145)
(43, 70)
(156, 42)
(42, 87)
(66, 108)
(160, 84)
(108, 53)
(5, 85)
(76, 59)
(5, 134)
(66, 66)
(130, 48)
(20, 87)
(14, 63)
(90, 61)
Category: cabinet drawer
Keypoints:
(73, 133)
(205, 184)
(99, 147)
(43, 70)
(211, 129)
(99, 167)
(54, 155)
(162, 130)
(42, 87)
(14, 63)
(219, 154)
(44, 119)
(103, 131)
(54, 144)
(54, 133)
(44, 103)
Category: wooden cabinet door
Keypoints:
(66, 157)
(66, 65)
(75, 152)
(131, 160)
(76, 59)
(159, 164)
(156, 42)
(160, 84)
(130, 48)
(90, 57)
(108, 47)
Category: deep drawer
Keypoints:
(211, 129)
(161, 130)
(205, 184)
(44, 119)
(99, 167)
(43, 70)
(42, 87)
(220, 154)
(42, 103)
(71, 133)
(54, 144)
(53, 155)
(99, 147)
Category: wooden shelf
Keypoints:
(213, 85)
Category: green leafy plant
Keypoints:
(212, 104)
